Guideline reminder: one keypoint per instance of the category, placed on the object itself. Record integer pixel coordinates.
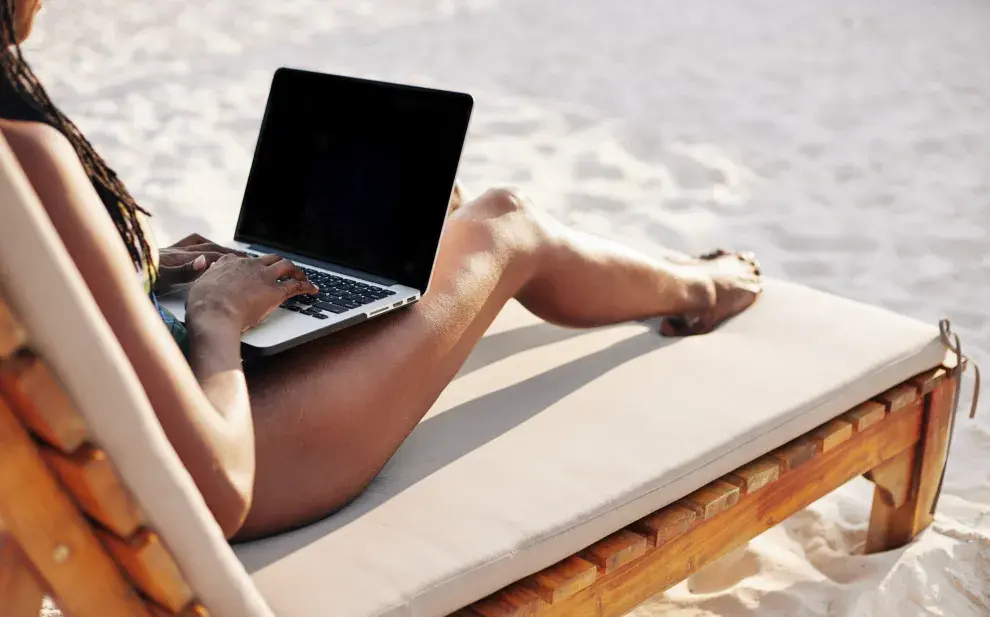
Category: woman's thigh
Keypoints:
(329, 415)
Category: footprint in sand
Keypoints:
(692, 173)
(591, 166)
(594, 203)
(807, 269)
(799, 242)
(518, 128)
(726, 572)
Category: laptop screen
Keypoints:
(356, 173)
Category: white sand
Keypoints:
(847, 142)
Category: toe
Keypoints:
(673, 327)
(750, 258)
(713, 254)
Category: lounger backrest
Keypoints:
(111, 510)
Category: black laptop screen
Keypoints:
(354, 172)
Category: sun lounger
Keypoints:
(562, 473)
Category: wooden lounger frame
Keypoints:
(69, 528)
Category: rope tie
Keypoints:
(952, 342)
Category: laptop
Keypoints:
(351, 180)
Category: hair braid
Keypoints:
(19, 87)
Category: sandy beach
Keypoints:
(846, 142)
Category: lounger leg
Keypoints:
(906, 484)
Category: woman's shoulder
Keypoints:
(37, 141)
(29, 128)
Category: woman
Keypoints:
(298, 435)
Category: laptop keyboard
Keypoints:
(337, 295)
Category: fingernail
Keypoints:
(199, 263)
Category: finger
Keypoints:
(294, 287)
(269, 259)
(184, 273)
(210, 256)
(285, 268)
(227, 258)
(213, 247)
(190, 240)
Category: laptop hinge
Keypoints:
(327, 265)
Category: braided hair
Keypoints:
(22, 97)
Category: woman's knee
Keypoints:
(510, 218)
(504, 201)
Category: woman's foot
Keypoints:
(734, 285)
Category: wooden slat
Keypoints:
(796, 453)
(616, 550)
(832, 433)
(12, 335)
(41, 402)
(513, 601)
(54, 535)
(712, 499)
(90, 477)
(563, 579)
(151, 568)
(929, 380)
(866, 415)
(193, 610)
(21, 592)
(616, 595)
(754, 476)
(898, 397)
(665, 525)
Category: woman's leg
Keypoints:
(330, 414)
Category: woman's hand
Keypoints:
(243, 291)
(186, 260)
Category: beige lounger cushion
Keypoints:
(551, 439)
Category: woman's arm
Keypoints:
(206, 416)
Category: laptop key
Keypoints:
(322, 316)
(333, 308)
